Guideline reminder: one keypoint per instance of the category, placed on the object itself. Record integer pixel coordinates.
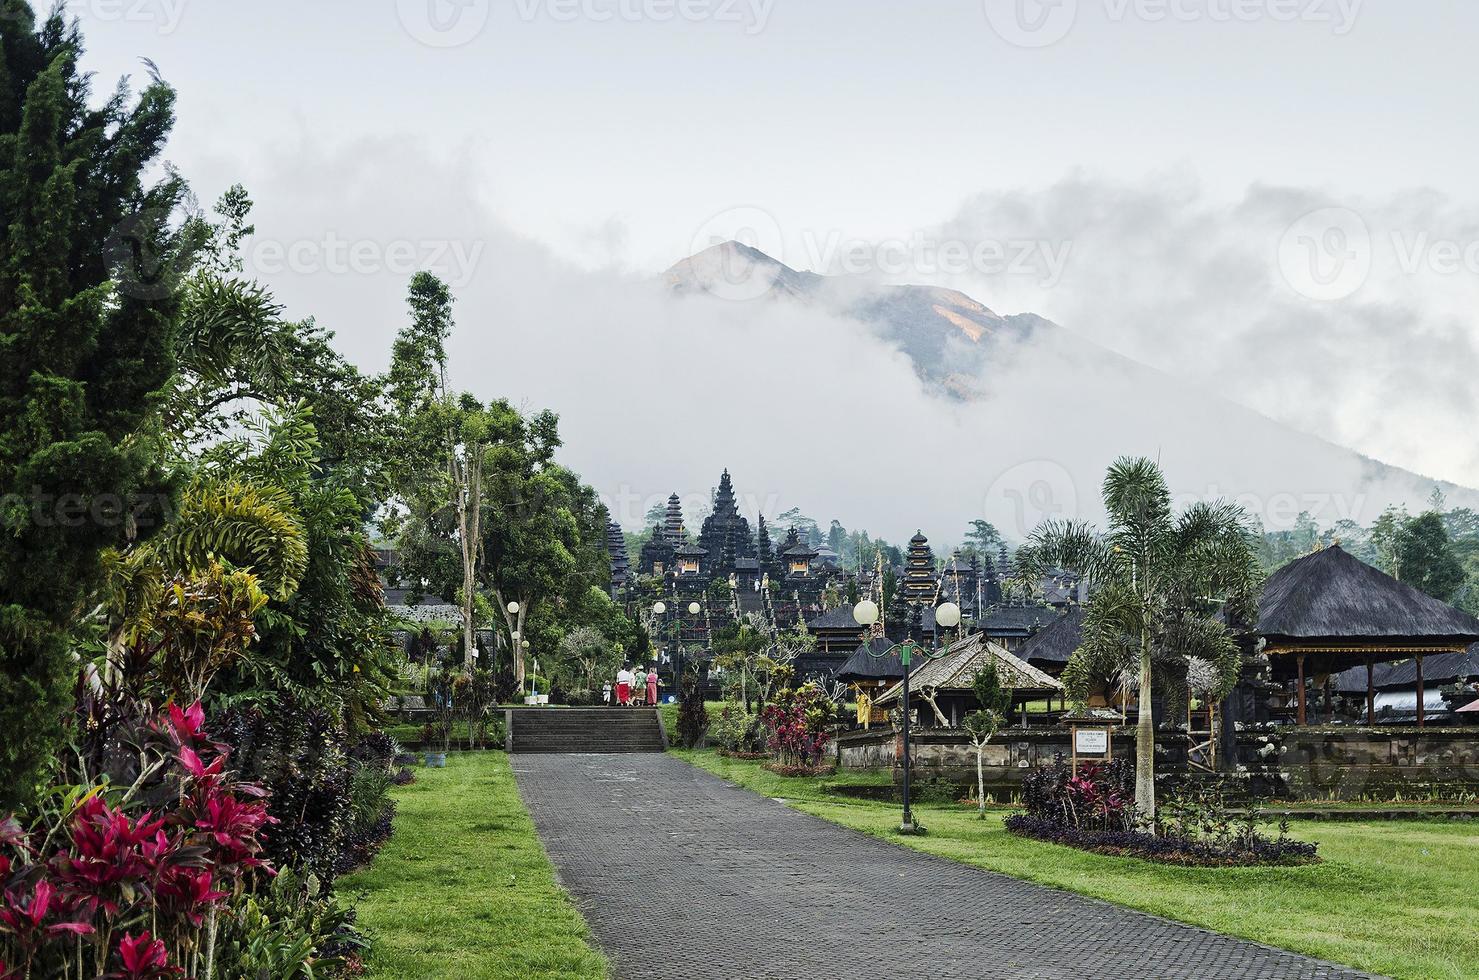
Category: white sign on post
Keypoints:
(1091, 741)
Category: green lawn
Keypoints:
(463, 888)
(1392, 897)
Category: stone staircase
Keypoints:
(583, 730)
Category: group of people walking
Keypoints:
(633, 686)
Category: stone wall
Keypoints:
(1275, 762)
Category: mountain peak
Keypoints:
(734, 270)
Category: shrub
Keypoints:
(693, 715)
(1094, 810)
(300, 755)
(738, 730)
(1099, 797)
(796, 723)
(132, 876)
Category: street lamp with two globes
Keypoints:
(947, 616)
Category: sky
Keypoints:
(1270, 202)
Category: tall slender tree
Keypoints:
(89, 300)
(1156, 582)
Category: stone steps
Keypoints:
(585, 730)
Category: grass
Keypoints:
(463, 888)
(1392, 897)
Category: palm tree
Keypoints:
(1158, 582)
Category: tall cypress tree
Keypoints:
(88, 302)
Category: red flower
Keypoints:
(188, 725)
(189, 891)
(110, 855)
(233, 828)
(144, 958)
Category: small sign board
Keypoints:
(1092, 743)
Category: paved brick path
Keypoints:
(735, 885)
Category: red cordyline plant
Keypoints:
(124, 880)
(797, 724)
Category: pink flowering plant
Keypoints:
(126, 880)
(797, 725)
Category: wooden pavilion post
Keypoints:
(1329, 699)
(1370, 692)
(1421, 714)
(1300, 661)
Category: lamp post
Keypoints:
(658, 608)
(947, 616)
(693, 610)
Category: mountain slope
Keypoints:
(1074, 394)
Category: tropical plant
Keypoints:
(797, 724)
(1157, 582)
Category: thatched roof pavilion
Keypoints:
(1329, 611)
(876, 660)
(1050, 648)
(953, 675)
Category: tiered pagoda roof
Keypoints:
(919, 582)
(725, 534)
(616, 548)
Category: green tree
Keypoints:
(89, 301)
(983, 723)
(1426, 557)
(1156, 581)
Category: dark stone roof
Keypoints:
(1055, 643)
(799, 550)
(835, 619)
(1000, 620)
(690, 551)
(1331, 595)
(746, 564)
(881, 664)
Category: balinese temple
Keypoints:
(796, 556)
(725, 535)
(873, 668)
(965, 583)
(616, 548)
(672, 525)
(1012, 626)
(942, 691)
(1329, 612)
(919, 584)
(656, 556)
(837, 637)
(1050, 648)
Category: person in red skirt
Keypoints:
(624, 680)
(652, 685)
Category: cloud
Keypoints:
(811, 409)
(1225, 294)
